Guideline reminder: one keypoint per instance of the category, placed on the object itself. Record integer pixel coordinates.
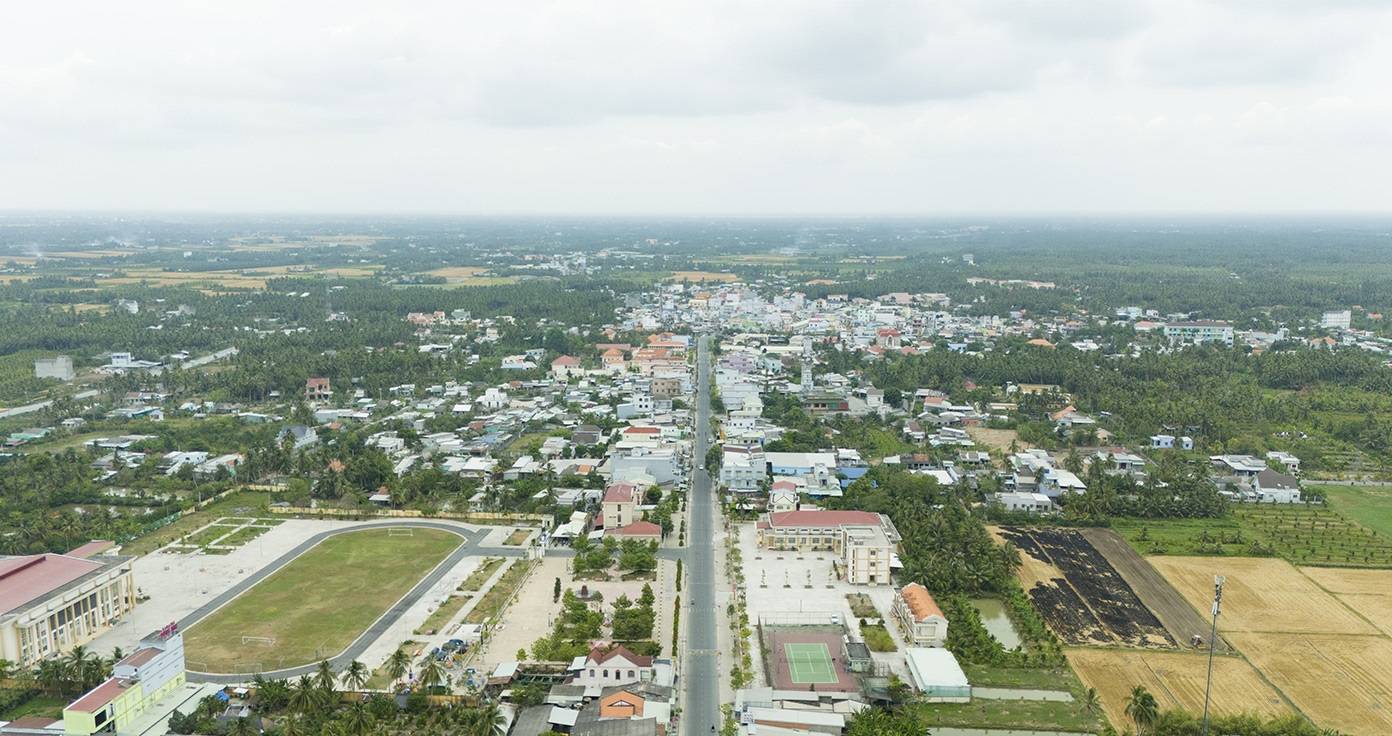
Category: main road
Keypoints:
(702, 709)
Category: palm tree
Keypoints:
(398, 664)
(492, 721)
(292, 727)
(241, 727)
(355, 675)
(357, 721)
(324, 676)
(51, 676)
(1142, 708)
(82, 667)
(432, 673)
(305, 697)
(1090, 700)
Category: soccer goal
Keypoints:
(269, 641)
(399, 531)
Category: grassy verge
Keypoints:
(444, 613)
(1035, 715)
(518, 537)
(319, 603)
(985, 675)
(493, 600)
(474, 583)
(877, 638)
(244, 535)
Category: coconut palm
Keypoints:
(491, 720)
(324, 676)
(1090, 700)
(355, 675)
(1142, 708)
(305, 696)
(292, 727)
(241, 727)
(432, 673)
(398, 664)
(357, 721)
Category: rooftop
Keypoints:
(26, 579)
(920, 602)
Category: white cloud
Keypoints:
(790, 105)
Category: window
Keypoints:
(606, 674)
(632, 673)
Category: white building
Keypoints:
(920, 620)
(613, 666)
(59, 368)
(1337, 320)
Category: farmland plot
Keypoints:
(1261, 594)
(1341, 682)
(1369, 592)
(1176, 679)
(1080, 595)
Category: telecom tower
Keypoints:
(807, 384)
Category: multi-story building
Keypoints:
(137, 683)
(920, 620)
(59, 368)
(865, 541)
(50, 603)
(743, 468)
(621, 504)
(1200, 331)
(1337, 320)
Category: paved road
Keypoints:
(702, 708)
(379, 627)
(30, 408)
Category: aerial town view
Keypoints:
(358, 378)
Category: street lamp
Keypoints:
(1218, 581)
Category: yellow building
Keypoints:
(138, 682)
(50, 603)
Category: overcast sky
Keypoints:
(703, 107)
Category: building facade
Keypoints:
(865, 542)
(50, 603)
(59, 368)
(920, 620)
(137, 683)
(1200, 331)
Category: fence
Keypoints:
(799, 618)
(479, 516)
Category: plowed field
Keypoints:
(1080, 595)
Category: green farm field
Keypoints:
(1370, 506)
(319, 603)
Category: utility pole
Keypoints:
(1218, 581)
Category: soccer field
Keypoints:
(316, 605)
(810, 664)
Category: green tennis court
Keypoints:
(810, 664)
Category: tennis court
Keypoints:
(810, 664)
